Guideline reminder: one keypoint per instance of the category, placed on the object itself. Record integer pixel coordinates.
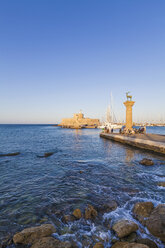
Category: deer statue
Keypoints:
(129, 97)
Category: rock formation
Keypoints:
(124, 228)
(142, 210)
(147, 162)
(156, 222)
(29, 235)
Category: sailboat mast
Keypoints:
(111, 108)
(108, 117)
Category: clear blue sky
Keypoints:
(60, 56)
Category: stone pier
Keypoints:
(150, 142)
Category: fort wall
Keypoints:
(79, 121)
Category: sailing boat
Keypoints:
(110, 122)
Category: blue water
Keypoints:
(84, 169)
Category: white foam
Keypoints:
(105, 235)
(161, 187)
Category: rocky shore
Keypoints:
(148, 218)
(145, 228)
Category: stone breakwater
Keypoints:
(126, 232)
(150, 142)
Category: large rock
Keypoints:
(131, 238)
(142, 210)
(68, 218)
(119, 244)
(30, 235)
(49, 242)
(156, 222)
(90, 213)
(10, 154)
(135, 245)
(98, 245)
(128, 245)
(46, 154)
(147, 162)
(150, 243)
(77, 213)
(124, 227)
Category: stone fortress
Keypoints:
(79, 121)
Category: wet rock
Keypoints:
(90, 213)
(49, 242)
(57, 212)
(77, 213)
(142, 210)
(130, 238)
(128, 245)
(156, 222)
(130, 191)
(119, 244)
(150, 243)
(124, 227)
(107, 207)
(147, 162)
(162, 184)
(45, 242)
(10, 154)
(46, 154)
(68, 218)
(29, 235)
(135, 245)
(98, 245)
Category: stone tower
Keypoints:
(129, 104)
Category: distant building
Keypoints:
(78, 121)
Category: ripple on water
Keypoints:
(84, 169)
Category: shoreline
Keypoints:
(130, 230)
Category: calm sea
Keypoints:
(84, 169)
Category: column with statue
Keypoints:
(129, 104)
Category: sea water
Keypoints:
(84, 169)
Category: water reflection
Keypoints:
(85, 169)
(107, 144)
(129, 156)
(77, 138)
(77, 132)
